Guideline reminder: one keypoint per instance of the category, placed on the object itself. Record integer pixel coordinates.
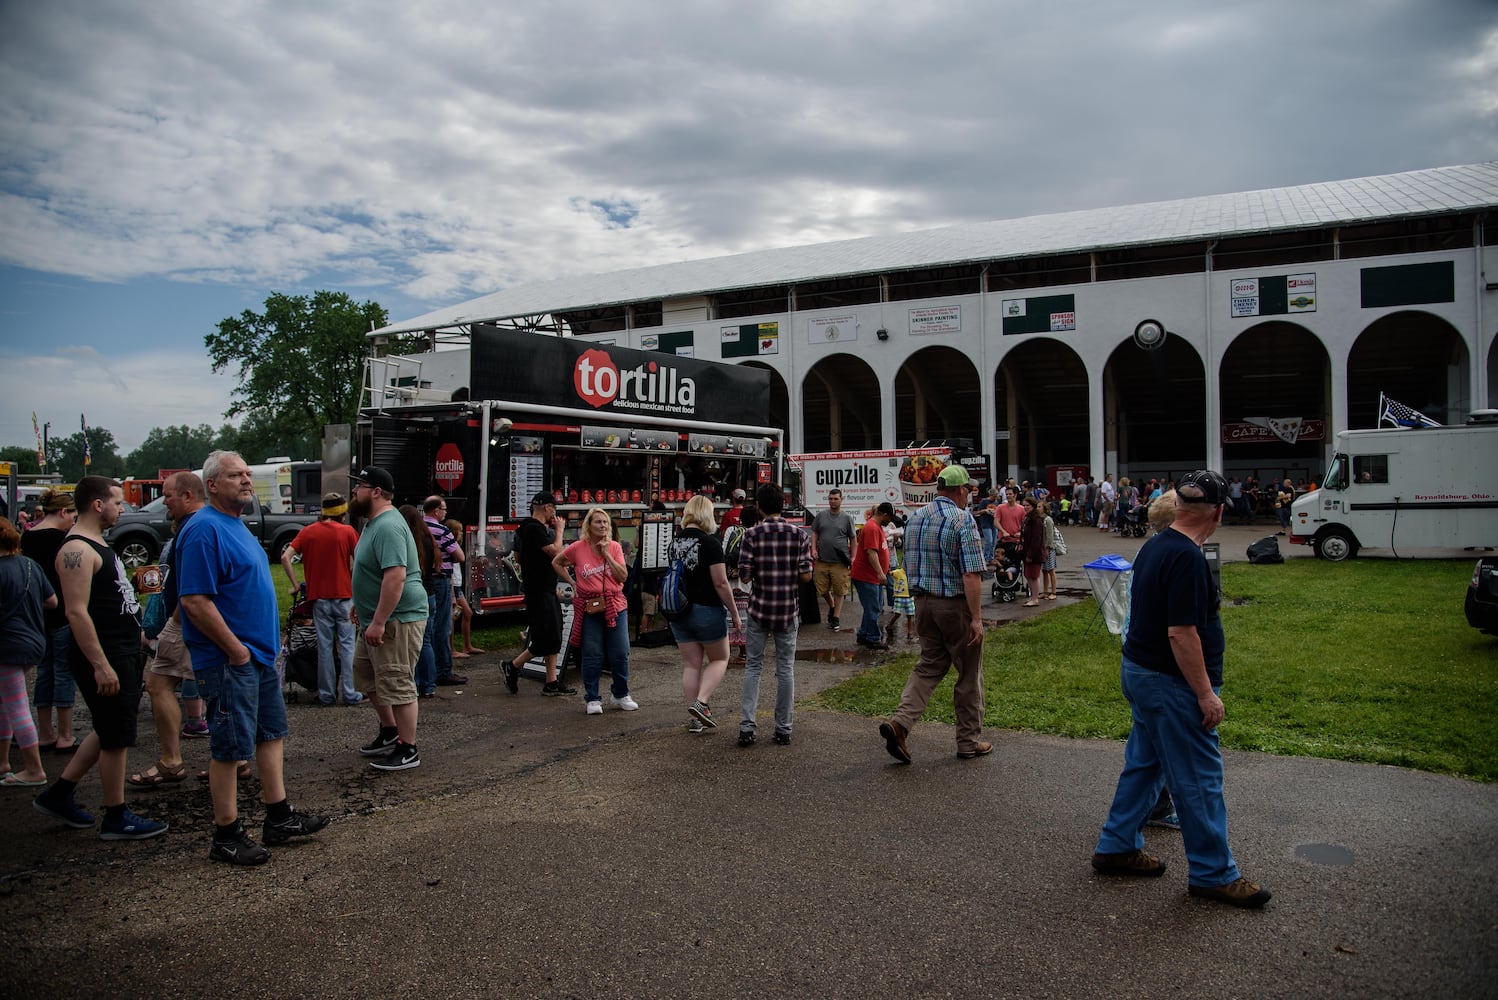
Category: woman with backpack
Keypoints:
(1032, 548)
(701, 633)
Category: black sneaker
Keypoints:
(238, 849)
(834, 624)
(783, 739)
(380, 745)
(402, 757)
(296, 825)
(452, 680)
(512, 677)
(746, 738)
(553, 689)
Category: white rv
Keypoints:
(1404, 489)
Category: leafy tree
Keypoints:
(180, 447)
(300, 366)
(22, 457)
(103, 452)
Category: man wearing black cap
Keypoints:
(538, 539)
(391, 603)
(1172, 672)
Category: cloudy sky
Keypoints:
(166, 164)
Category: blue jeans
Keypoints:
(756, 636)
(54, 678)
(1168, 745)
(871, 599)
(331, 617)
(440, 624)
(602, 644)
(990, 542)
(426, 663)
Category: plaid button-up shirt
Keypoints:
(941, 544)
(772, 558)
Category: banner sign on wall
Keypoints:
(832, 329)
(1041, 314)
(749, 340)
(1257, 430)
(936, 319)
(1276, 295)
(679, 344)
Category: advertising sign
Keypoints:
(936, 319)
(620, 381)
(832, 329)
(906, 477)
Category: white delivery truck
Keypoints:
(1404, 489)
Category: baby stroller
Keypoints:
(1008, 580)
(1131, 522)
(299, 648)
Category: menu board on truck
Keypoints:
(906, 477)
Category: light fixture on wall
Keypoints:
(882, 333)
(1149, 334)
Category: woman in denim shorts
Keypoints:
(702, 633)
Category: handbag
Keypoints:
(1060, 543)
(594, 606)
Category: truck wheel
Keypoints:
(136, 552)
(1335, 545)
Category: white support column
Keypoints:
(1097, 458)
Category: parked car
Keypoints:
(139, 536)
(1482, 596)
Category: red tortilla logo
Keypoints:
(596, 378)
(449, 468)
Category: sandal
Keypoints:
(164, 774)
(244, 773)
(1031, 604)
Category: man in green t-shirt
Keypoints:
(391, 604)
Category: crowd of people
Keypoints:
(383, 602)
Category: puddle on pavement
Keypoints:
(1326, 854)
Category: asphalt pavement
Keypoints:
(539, 852)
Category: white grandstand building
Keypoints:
(1238, 331)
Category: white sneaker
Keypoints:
(595, 708)
(626, 704)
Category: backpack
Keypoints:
(733, 540)
(1266, 550)
(673, 600)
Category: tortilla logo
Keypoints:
(599, 382)
(449, 467)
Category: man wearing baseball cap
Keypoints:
(733, 515)
(538, 539)
(1172, 673)
(944, 562)
(326, 548)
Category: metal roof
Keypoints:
(1440, 190)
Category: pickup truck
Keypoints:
(139, 536)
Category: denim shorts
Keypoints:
(245, 708)
(702, 623)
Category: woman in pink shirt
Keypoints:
(598, 573)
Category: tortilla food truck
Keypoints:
(513, 413)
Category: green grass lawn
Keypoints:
(1368, 660)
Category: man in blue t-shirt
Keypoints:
(233, 636)
(1172, 673)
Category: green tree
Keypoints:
(104, 455)
(300, 366)
(180, 447)
(23, 457)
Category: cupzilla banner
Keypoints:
(557, 371)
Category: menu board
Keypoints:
(627, 439)
(657, 532)
(717, 444)
(527, 478)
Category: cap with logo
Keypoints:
(373, 475)
(542, 499)
(1213, 487)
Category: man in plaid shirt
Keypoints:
(774, 559)
(944, 560)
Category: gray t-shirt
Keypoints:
(834, 537)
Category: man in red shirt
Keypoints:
(1010, 516)
(733, 515)
(327, 551)
(870, 567)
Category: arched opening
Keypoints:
(1156, 401)
(840, 406)
(780, 399)
(1041, 409)
(1413, 357)
(1275, 392)
(937, 398)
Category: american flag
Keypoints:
(1400, 415)
(83, 422)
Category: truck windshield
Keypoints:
(1336, 474)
